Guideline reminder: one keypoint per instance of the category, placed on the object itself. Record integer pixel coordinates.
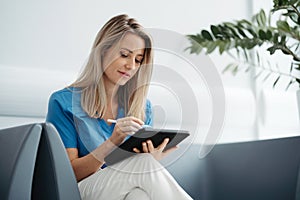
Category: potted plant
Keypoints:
(244, 39)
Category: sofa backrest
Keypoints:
(34, 164)
(260, 170)
(53, 175)
(18, 150)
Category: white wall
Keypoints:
(44, 45)
(58, 34)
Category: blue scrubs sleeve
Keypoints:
(149, 114)
(62, 119)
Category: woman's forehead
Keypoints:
(133, 43)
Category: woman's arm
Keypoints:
(89, 164)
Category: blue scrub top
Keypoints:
(76, 128)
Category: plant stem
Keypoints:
(285, 48)
(243, 62)
(296, 10)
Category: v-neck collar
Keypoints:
(111, 127)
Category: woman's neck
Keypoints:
(112, 104)
(111, 94)
(111, 90)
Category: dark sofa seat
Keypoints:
(255, 170)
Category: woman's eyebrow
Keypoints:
(130, 51)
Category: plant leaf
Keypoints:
(268, 35)
(246, 55)
(290, 83)
(266, 77)
(235, 70)
(216, 32)
(222, 46)
(259, 73)
(258, 58)
(262, 35)
(205, 34)
(262, 18)
(283, 25)
(275, 82)
(227, 67)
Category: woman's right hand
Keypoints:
(124, 127)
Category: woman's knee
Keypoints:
(137, 193)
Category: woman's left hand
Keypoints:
(158, 153)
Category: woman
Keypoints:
(113, 85)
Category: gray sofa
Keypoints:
(256, 170)
(34, 165)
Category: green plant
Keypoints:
(242, 40)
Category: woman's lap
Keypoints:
(139, 171)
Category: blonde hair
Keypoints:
(132, 95)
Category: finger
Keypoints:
(150, 146)
(136, 150)
(137, 120)
(163, 144)
(170, 150)
(145, 148)
(131, 118)
(123, 133)
(122, 123)
(134, 124)
(127, 126)
(128, 129)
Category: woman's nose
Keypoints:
(130, 64)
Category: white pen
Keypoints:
(111, 120)
(115, 121)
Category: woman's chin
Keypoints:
(121, 82)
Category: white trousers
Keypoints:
(141, 172)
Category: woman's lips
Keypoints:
(124, 74)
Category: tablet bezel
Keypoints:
(157, 136)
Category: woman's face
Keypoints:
(122, 62)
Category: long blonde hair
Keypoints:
(132, 95)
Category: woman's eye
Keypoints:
(124, 55)
(138, 61)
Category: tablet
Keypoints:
(157, 136)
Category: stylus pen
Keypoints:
(111, 120)
(115, 121)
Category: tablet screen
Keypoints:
(157, 136)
